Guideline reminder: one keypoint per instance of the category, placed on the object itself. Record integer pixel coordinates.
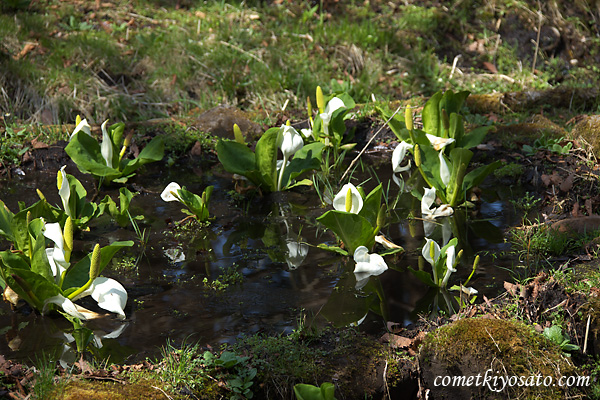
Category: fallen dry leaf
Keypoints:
(26, 49)
(490, 67)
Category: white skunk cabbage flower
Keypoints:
(367, 265)
(427, 202)
(64, 190)
(107, 147)
(348, 199)
(170, 192)
(439, 143)
(82, 126)
(333, 105)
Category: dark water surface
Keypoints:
(169, 293)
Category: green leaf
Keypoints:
(79, 273)
(41, 287)
(432, 119)
(371, 206)
(306, 159)
(335, 249)
(84, 150)
(352, 229)
(236, 158)
(474, 137)
(14, 260)
(305, 391)
(475, 177)
(266, 158)
(460, 159)
(424, 277)
(6, 217)
(39, 261)
(154, 151)
(457, 129)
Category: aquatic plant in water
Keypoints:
(262, 166)
(106, 161)
(441, 149)
(197, 206)
(45, 276)
(354, 220)
(328, 127)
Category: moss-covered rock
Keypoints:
(484, 350)
(588, 129)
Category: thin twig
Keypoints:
(587, 331)
(163, 392)
(493, 340)
(244, 52)
(368, 143)
(537, 41)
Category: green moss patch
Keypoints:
(491, 348)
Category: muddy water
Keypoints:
(237, 276)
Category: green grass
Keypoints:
(145, 59)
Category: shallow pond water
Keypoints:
(240, 275)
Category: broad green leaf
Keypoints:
(432, 119)
(14, 260)
(460, 159)
(236, 158)
(266, 158)
(305, 391)
(36, 284)
(477, 176)
(352, 229)
(84, 150)
(474, 137)
(79, 273)
(39, 261)
(305, 159)
(154, 151)
(371, 206)
(6, 217)
(457, 128)
(423, 276)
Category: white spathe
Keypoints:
(426, 252)
(339, 201)
(109, 294)
(333, 105)
(82, 126)
(56, 255)
(107, 147)
(444, 169)
(170, 192)
(398, 156)
(289, 141)
(64, 191)
(367, 265)
(427, 202)
(67, 306)
(439, 143)
(450, 258)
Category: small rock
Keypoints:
(577, 225)
(219, 122)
